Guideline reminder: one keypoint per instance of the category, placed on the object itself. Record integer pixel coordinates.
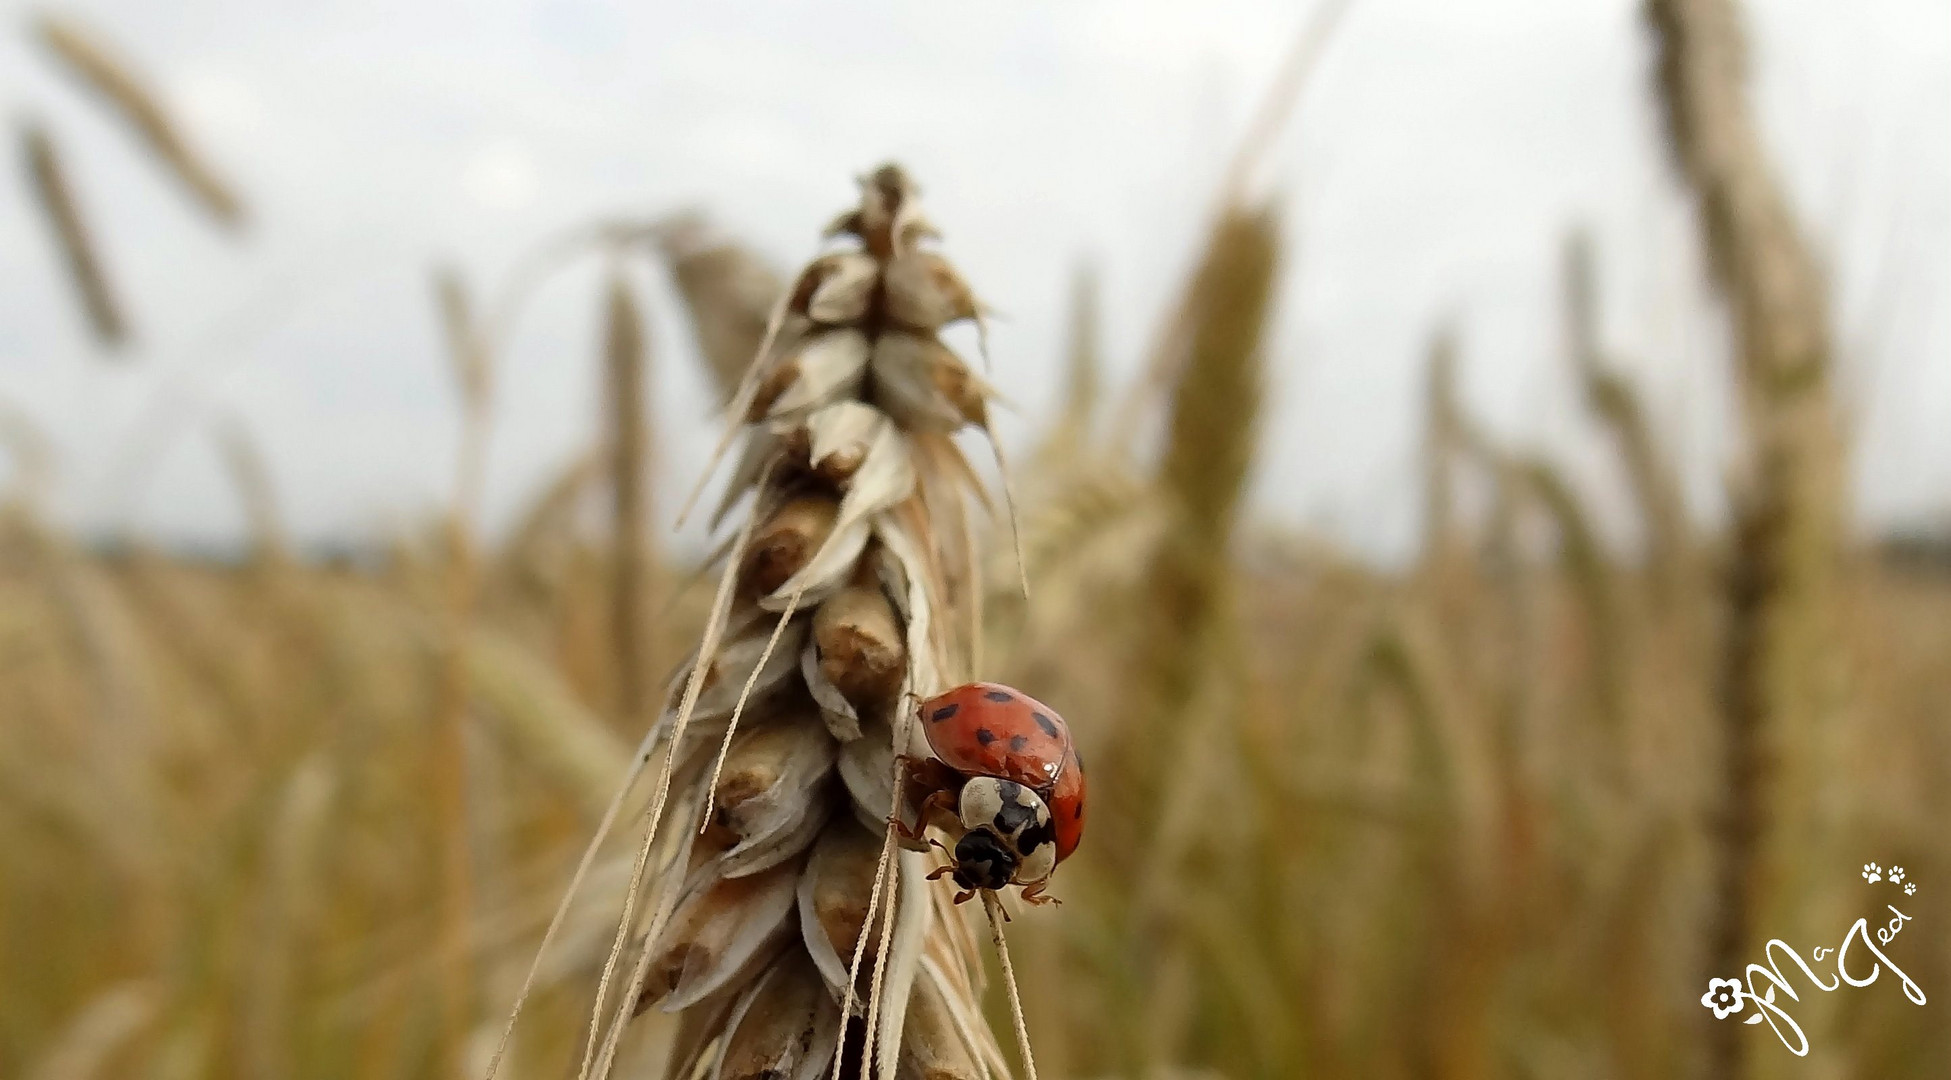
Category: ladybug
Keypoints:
(1006, 779)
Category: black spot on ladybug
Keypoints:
(1014, 816)
(1077, 811)
(999, 696)
(1035, 837)
(985, 736)
(1048, 725)
(1018, 742)
(944, 713)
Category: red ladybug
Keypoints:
(1006, 778)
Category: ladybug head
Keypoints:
(1014, 822)
(983, 860)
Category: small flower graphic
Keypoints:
(1872, 872)
(1910, 888)
(1724, 997)
(1896, 874)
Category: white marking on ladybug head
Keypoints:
(1018, 817)
(1037, 863)
(982, 800)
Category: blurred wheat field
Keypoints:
(283, 817)
(1399, 832)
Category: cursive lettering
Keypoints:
(1728, 996)
(1860, 932)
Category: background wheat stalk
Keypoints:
(1778, 666)
(56, 195)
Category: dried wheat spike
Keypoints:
(849, 602)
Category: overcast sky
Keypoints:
(1435, 163)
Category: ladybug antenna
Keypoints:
(945, 869)
(738, 709)
(721, 603)
(994, 907)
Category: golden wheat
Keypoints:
(835, 611)
(83, 52)
(57, 200)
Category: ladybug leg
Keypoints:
(1033, 894)
(928, 811)
(911, 837)
(965, 897)
(922, 775)
(931, 788)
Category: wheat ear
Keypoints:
(787, 739)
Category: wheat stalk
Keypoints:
(1189, 625)
(1443, 421)
(255, 489)
(87, 56)
(56, 196)
(1170, 348)
(1613, 398)
(1778, 672)
(777, 903)
(472, 362)
(626, 350)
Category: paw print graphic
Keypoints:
(1910, 888)
(1724, 996)
(1896, 875)
(1872, 873)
